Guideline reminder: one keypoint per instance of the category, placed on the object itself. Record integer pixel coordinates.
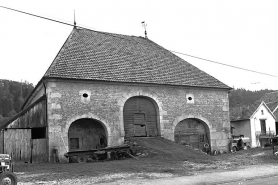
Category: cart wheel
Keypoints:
(82, 158)
(72, 159)
(8, 178)
(234, 149)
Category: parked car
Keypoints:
(240, 143)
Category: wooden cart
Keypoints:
(107, 153)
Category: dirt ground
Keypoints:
(157, 159)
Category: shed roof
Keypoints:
(93, 55)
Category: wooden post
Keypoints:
(2, 141)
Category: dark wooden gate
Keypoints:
(140, 117)
(191, 132)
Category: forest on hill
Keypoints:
(245, 97)
(12, 96)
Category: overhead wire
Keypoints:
(232, 66)
(224, 64)
(37, 16)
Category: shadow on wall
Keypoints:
(86, 134)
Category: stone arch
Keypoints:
(192, 130)
(152, 97)
(86, 134)
(105, 126)
(141, 117)
(180, 118)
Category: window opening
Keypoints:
(38, 133)
(85, 95)
(190, 98)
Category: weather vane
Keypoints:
(144, 26)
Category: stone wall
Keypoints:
(71, 100)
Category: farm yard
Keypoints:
(156, 158)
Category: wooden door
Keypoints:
(191, 132)
(263, 127)
(39, 150)
(18, 143)
(139, 124)
(140, 117)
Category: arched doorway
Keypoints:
(140, 117)
(86, 134)
(193, 132)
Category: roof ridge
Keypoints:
(114, 34)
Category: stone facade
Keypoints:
(69, 101)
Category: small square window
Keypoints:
(38, 133)
(85, 96)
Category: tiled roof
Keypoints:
(92, 55)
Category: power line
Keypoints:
(37, 16)
(61, 22)
(54, 20)
(225, 64)
(122, 38)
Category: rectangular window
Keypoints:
(263, 127)
(38, 133)
(74, 143)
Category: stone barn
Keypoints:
(102, 88)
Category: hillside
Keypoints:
(12, 96)
(245, 97)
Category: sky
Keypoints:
(238, 33)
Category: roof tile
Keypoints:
(96, 55)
